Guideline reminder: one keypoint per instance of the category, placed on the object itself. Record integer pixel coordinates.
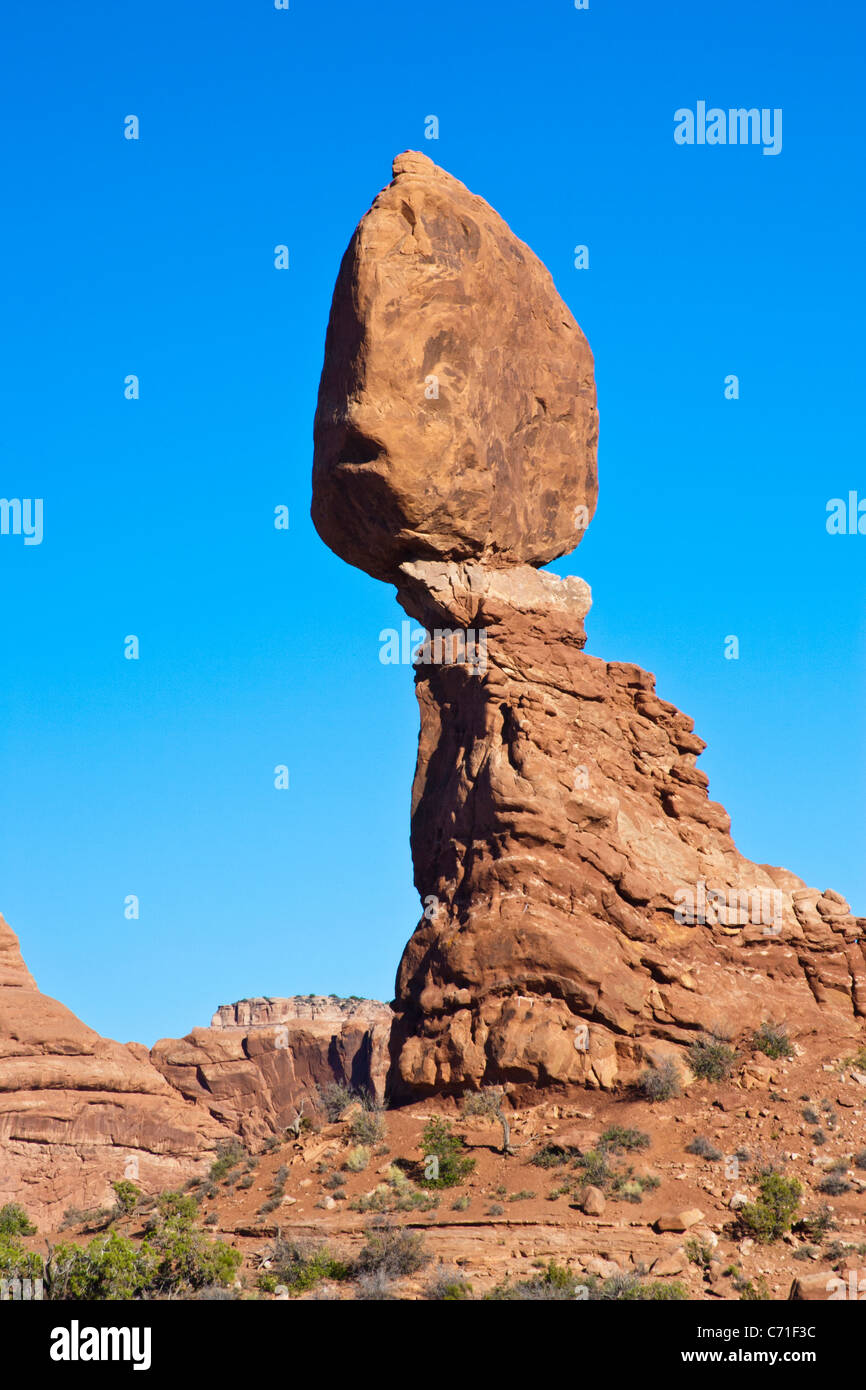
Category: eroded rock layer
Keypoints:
(560, 828)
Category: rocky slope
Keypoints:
(609, 1187)
(78, 1111)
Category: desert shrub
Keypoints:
(524, 1195)
(772, 1039)
(181, 1255)
(335, 1097)
(334, 1181)
(127, 1195)
(246, 1181)
(817, 1224)
(90, 1218)
(301, 1267)
(16, 1262)
(768, 1218)
(860, 1159)
(553, 1283)
(556, 1283)
(358, 1159)
(819, 1138)
(396, 1193)
(496, 1209)
(660, 1083)
(445, 1165)
(698, 1253)
(14, 1221)
(229, 1154)
(375, 1287)
(834, 1185)
(595, 1169)
(756, 1292)
(703, 1148)
(461, 1204)
(368, 1128)
(553, 1156)
(810, 1115)
(711, 1058)
(628, 1288)
(447, 1286)
(616, 1139)
(392, 1251)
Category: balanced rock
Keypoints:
(587, 913)
(457, 413)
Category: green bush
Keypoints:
(300, 1267)
(181, 1254)
(711, 1058)
(596, 1172)
(111, 1268)
(127, 1195)
(16, 1262)
(448, 1286)
(616, 1139)
(627, 1288)
(553, 1284)
(14, 1221)
(773, 1213)
(175, 1257)
(358, 1159)
(772, 1039)
(439, 1142)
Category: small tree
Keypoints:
(489, 1102)
(127, 1195)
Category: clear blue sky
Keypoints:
(259, 647)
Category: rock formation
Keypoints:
(78, 1111)
(585, 906)
(262, 1061)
